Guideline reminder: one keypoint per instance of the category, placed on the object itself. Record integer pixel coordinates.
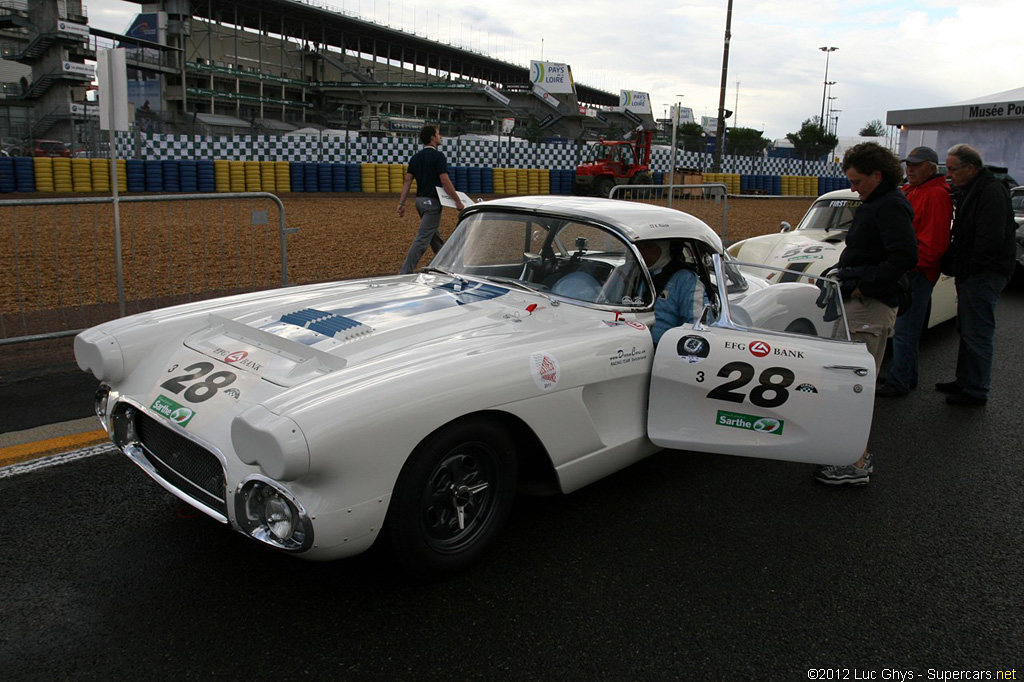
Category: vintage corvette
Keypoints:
(409, 410)
(814, 246)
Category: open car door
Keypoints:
(771, 374)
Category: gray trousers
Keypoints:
(430, 224)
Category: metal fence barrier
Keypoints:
(61, 270)
(709, 202)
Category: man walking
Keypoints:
(981, 258)
(933, 212)
(430, 170)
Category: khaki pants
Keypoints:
(871, 323)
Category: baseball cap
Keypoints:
(919, 154)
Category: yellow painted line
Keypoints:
(26, 451)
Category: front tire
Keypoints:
(603, 187)
(452, 498)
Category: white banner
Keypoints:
(709, 124)
(80, 30)
(547, 97)
(684, 114)
(80, 69)
(552, 77)
(635, 101)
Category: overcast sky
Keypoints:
(892, 55)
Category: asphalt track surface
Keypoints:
(686, 566)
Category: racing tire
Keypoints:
(603, 187)
(451, 498)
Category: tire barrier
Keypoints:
(79, 175)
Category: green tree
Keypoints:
(872, 129)
(812, 141)
(691, 135)
(747, 142)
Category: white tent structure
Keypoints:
(994, 125)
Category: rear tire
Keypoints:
(603, 187)
(452, 498)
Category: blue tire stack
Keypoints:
(297, 176)
(170, 175)
(339, 177)
(355, 177)
(188, 180)
(312, 179)
(325, 177)
(206, 181)
(7, 181)
(24, 174)
(475, 180)
(487, 181)
(154, 175)
(135, 171)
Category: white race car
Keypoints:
(408, 410)
(814, 246)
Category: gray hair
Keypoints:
(967, 154)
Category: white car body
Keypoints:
(816, 242)
(316, 418)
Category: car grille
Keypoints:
(186, 465)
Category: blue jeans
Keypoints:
(906, 338)
(977, 296)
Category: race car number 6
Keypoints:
(771, 390)
(204, 390)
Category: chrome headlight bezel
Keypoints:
(254, 496)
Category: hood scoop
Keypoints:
(311, 326)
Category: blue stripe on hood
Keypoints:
(311, 325)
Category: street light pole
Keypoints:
(828, 51)
(716, 166)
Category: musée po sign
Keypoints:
(1000, 110)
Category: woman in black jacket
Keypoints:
(880, 247)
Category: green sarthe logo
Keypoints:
(749, 422)
(179, 414)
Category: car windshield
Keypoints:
(829, 215)
(560, 256)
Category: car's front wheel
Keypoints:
(452, 497)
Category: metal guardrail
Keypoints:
(709, 202)
(68, 264)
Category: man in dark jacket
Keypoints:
(981, 258)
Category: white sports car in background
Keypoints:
(408, 410)
(814, 246)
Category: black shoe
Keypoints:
(962, 398)
(948, 387)
(890, 391)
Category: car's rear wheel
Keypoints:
(452, 497)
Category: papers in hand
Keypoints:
(449, 202)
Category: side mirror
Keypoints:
(784, 226)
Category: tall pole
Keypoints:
(716, 164)
(828, 51)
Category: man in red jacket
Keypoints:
(933, 213)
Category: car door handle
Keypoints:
(859, 371)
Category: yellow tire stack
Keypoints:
(511, 181)
(253, 182)
(81, 175)
(99, 169)
(397, 177)
(236, 171)
(498, 174)
(533, 181)
(62, 179)
(43, 168)
(383, 181)
(368, 177)
(523, 180)
(222, 176)
(283, 176)
(122, 175)
(268, 176)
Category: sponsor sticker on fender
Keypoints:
(172, 411)
(545, 370)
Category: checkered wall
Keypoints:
(479, 153)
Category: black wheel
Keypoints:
(451, 499)
(802, 326)
(603, 187)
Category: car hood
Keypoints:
(290, 336)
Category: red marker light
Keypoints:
(530, 308)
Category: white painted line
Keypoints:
(56, 460)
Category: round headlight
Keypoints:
(278, 515)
